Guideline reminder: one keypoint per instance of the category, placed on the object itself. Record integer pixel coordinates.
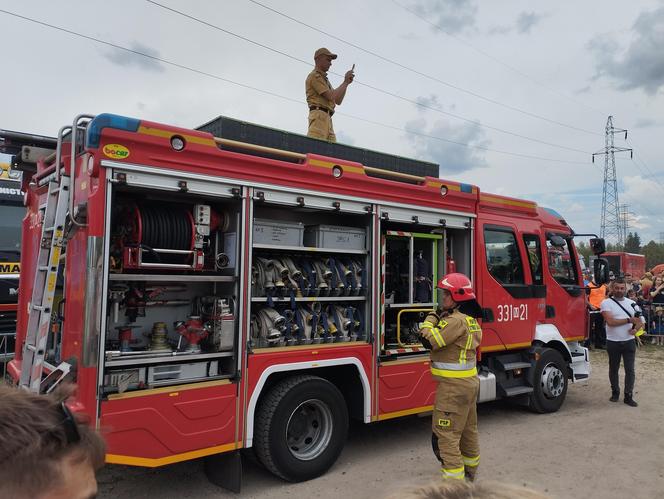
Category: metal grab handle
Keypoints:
(58, 150)
(72, 164)
(403, 311)
(302, 157)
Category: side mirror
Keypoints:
(601, 271)
(557, 241)
(597, 245)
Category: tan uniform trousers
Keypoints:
(320, 126)
(455, 426)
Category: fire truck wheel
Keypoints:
(301, 427)
(550, 382)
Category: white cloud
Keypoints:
(639, 64)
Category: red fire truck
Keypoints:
(209, 294)
(621, 263)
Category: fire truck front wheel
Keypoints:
(301, 427)
(550, 382)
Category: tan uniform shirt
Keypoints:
(315, 85)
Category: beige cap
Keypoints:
(324, 51)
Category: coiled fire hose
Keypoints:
(267, 326)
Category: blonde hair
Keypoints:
(459, 489)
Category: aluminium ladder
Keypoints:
(43, 291)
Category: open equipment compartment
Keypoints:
(172, 292)
(310, 271)
(417, 250)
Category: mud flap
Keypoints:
(225, 470)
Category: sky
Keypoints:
(512, 96)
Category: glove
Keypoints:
(425, 342)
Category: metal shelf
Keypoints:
(413, 305)
(261, 299)
(165, 359)
(171, 278)
(309, 249)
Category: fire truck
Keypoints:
(11, 215)
(212, 292)
(21, 151)
(622, 263)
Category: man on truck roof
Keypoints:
(322, 98)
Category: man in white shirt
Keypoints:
(621, 326)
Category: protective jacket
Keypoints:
(453, 340)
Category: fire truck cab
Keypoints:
(214, 294)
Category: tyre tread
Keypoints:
(264, 418)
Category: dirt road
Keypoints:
(591, 448)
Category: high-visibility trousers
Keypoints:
(454, 425)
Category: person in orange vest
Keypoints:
(453, 339)
(597, 330)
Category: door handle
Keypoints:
(487, 315)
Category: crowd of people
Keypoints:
(647, 293)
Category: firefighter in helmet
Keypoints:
(453, 339)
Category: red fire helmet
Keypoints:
(458, 285)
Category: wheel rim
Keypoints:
(309, 429)
(553, 381)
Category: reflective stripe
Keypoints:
(457, 473)
(438, 337)
(453, 366)
(462, 354)
(447, 373)
(435, 332)
(471, 461)
(473, 326)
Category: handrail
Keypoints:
(397, 175)
(302, 157)
(58, 150)
(406, 310)
(257, 148)
(72, 164)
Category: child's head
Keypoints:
(659, 311)
(631, 294)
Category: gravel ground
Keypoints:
(591, 448)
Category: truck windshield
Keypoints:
(11, 218)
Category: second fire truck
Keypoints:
(215, 294)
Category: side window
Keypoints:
(502, 256)
(561, 264)
(534, 250)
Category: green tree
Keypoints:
(633, 243)
(584, 250)
(654, 254)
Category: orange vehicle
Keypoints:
(218, 294)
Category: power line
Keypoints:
(372, 87)
(420, 73)
(495, 59)
(267, 92)
(638, 159)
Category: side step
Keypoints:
(511, 366)
(513, 391)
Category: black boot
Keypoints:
(630, 401)
(614, 396)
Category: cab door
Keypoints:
(508, 295)
(565, 298)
